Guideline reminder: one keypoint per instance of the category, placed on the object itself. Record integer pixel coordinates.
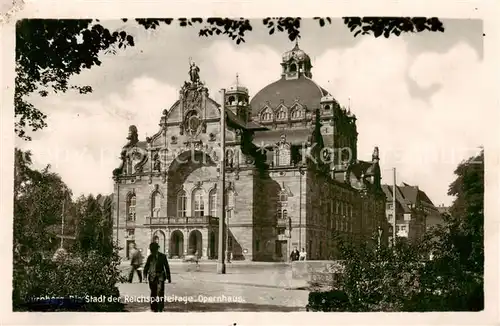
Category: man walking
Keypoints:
(157, 271)
(135, 263)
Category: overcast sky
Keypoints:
(415, 96)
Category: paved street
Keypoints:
(255, 287)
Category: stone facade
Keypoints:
(414, 211)
(292, 174)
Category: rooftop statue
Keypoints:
(194, 73)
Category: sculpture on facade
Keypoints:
(375, 154)
(157, 163)
(133, 139)
(194, 73)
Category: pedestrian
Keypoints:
(295, 254)
(158, 272)
(141, 261)
(303, 254)
(135, 263)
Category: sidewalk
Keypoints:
(266, 278)
(214, 262)
(258, 274)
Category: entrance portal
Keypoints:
(195, 243)
(159, 238)
(281, 250)
(176, 244)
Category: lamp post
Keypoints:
(221, 266)
(301, 173)
(289, 236)
(228, 215)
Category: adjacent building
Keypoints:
(293, 176)
(414, 210)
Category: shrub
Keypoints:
(68, 284)
(328, 301)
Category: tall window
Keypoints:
(267, 115)
(155, 204)
(281, 115)
(282, 155)
(296, 113)
(212, 202)
(131, 202)
(198, 204)
(181, 204)
(282, 205)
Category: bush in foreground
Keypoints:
(68, 284)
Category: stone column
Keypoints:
(186, 241)
(205, 241)
(167, 242)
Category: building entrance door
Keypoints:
(281, 250)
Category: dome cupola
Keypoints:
(237, 99)
(296, 63)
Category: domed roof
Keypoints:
(287, 91)
(295, 53)
(237, 86)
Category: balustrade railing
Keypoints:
(175, 220)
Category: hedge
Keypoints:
(66, 284)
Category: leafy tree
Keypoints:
(38, 198)
(93, 270)
(443, 272)
(95, 225)
(457, 269)
(50, 51)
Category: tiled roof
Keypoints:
(388, 190)
(414, 194)
(251, 125)
(303, 89)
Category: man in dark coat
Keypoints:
(157, 271)
(294, 255)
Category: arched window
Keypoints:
(212, 202)
(131, 202)
(198, 204)
(266, 115)
(296, 113)
(281, 115)
(293, 67)
(155, 204)
(181, 204)
(282, 155)
(282, 205)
